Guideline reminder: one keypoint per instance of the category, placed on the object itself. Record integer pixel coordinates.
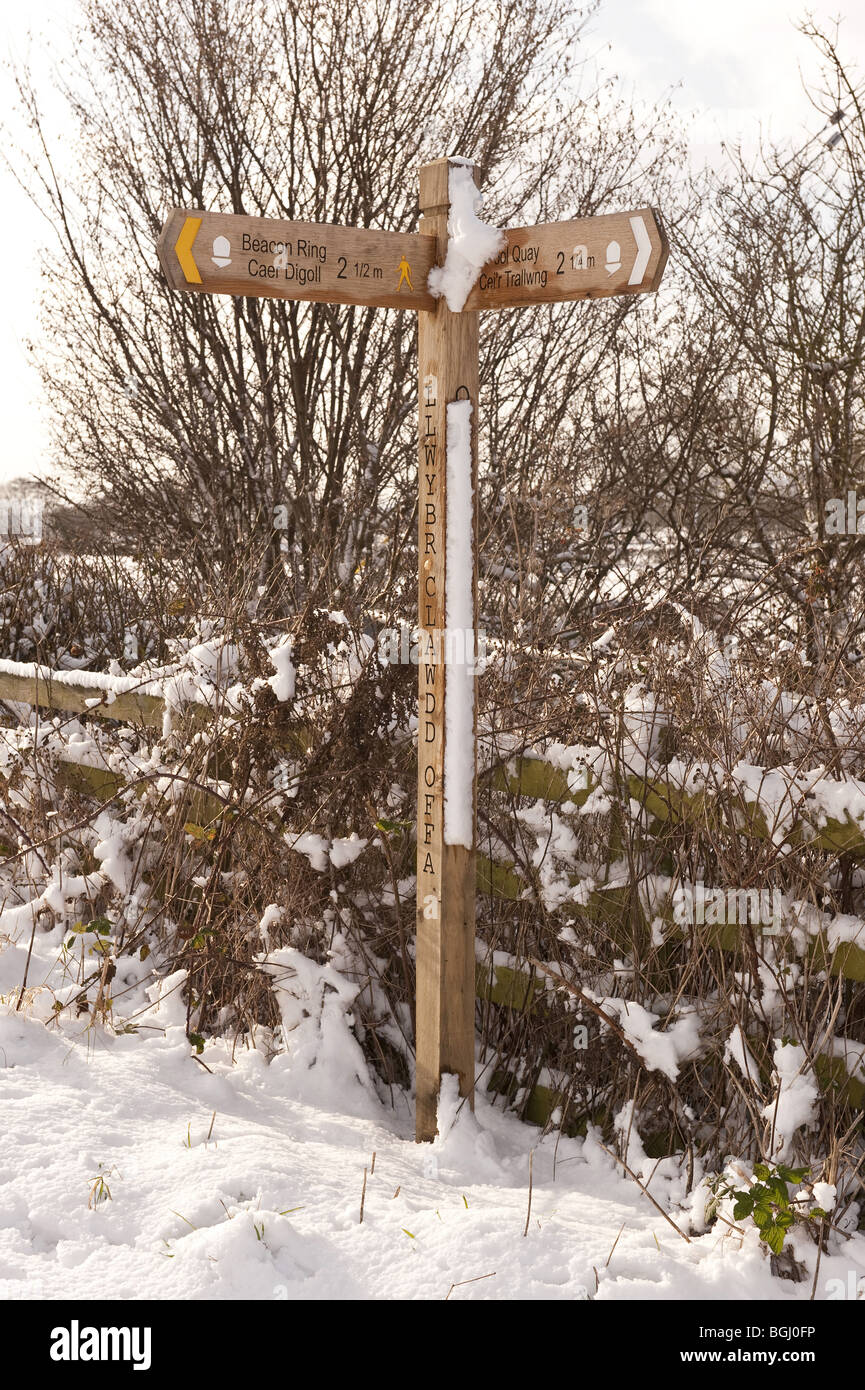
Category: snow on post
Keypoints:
(459, 752)
(471, 242)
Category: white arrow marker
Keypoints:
(644, 250)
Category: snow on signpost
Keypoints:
(454, 266)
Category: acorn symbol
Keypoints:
(614, 258)
(221, 251)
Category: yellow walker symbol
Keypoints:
(405, 275)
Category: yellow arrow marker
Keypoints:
(183, 249)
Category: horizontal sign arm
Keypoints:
(215, 253)
(590, 258)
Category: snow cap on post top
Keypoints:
(452, 183)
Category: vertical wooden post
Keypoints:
(448, 370)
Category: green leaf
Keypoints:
(100, 925)
(785, 1220)
(778, 1189)
(762, 1217)
(761, 1171)
(197, 1041)
(743, 1207)
(791, 1174)
(392, 827)
(774, 1238)
(818, 1211)
(199, 832)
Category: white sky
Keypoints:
(738, 64)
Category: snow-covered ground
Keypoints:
(224, 1184)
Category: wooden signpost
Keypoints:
(614, 254)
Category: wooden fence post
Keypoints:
(446, 872)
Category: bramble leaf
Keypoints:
(762, 1217)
